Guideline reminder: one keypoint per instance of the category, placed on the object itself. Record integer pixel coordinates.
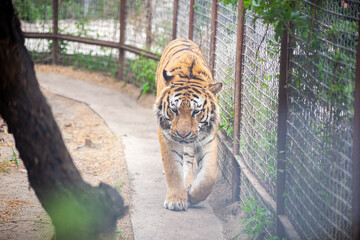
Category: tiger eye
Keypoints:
(195, 112)
(175, 111)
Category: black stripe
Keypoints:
(177, 154)
(196, 78)
(195, 90)
(197, 150)
(164, 124)
(175, 46)
(181, 50)
(182, 88)
(202, 157)
(196, 86)
(184, 47)
(204, 73)
(186, 154)
(183, 76)
(181, 81)
(191, 68)
(174, 69)
(209, 141)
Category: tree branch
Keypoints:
(77, 210)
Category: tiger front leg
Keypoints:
(189, 165)
(176, 196)
(206, 160)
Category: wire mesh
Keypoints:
(40, 50)
(162, 19)
(136, 26)
(35, 16)
(202, 26)
(90, 57)
(225, 54)
(96, 19)
(259, 102)
(321, 113)
(182, 30)
(256, 210)
(100, 20)
(225, 165)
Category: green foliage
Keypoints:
(119, 185)
(119, 235)
(14, 157)
(234, 3)
(33, 10)
(227, 124)
(258, 218)
(92, 62)
(142, 72)
(278, 13)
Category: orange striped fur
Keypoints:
(188, 116)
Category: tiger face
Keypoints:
(188, 113)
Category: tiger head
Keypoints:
(188, 113)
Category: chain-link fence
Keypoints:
(320, 120)
(321, 85)
(260, 102)
(321, 107)
(225, 52)
(88, 34)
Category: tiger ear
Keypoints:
(167, 75)
(215, 88)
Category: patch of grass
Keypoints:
(142, 72)
(258, 218)
(7, 162)
(119, 235)
(119, 185)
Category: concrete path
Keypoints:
(136, 126)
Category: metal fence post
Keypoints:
(213, 35)
(148, 27)
(175, 14)
(191, 20)
(237, 99)
(120, 74)
(356, 150)
(55, 43)
(281, 132)
(238, 76)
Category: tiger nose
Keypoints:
(183, 134)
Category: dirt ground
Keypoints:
(97, 153)
(99, 156)
(228, 213)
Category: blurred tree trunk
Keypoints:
(77, 210)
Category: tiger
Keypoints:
(188, 118)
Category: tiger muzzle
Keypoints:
(184, 134)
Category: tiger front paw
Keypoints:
(176, 202)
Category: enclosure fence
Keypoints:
(290, 110)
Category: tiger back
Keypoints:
(188, 117)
